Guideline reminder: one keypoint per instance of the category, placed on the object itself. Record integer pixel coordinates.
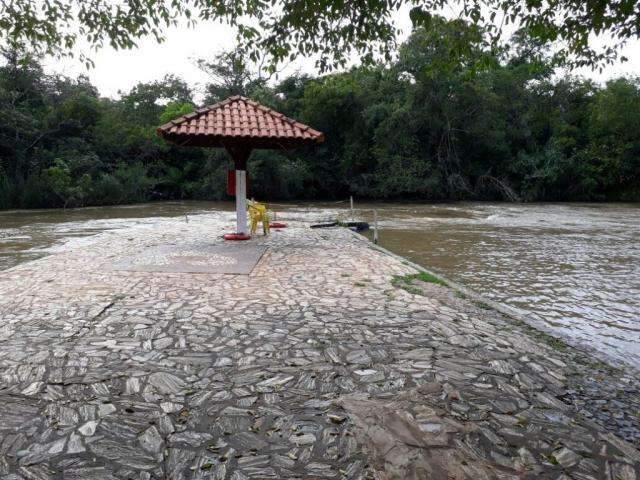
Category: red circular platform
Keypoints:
(277, 225)
(236, 236)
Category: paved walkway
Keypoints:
(312, 366)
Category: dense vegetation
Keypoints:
(332, 30)
(437, 123)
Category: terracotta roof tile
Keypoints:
(238, 118)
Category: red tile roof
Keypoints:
(238, 120)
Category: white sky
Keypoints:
(120, 70)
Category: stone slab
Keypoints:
(319, 364)
(238, 259)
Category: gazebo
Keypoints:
(239, 125)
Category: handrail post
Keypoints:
(375, 227)
(352, 214)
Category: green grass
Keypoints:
(406, 281)
(482, 305)
(553, 342)
(428, 278)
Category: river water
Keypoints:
(575, 267)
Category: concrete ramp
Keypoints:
(236, 259)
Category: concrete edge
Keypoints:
(508, 311)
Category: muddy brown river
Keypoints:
(575, 267)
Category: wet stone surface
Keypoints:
(313, 366)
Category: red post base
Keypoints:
(236, 236)
(277, 225)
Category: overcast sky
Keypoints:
(120, 70)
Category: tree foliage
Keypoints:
(175, 110)
(439, 123)
(330, 29)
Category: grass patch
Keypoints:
(478, 303)
(560, 345)
(553, 342)
(406, 282)
(428, 278)
(483, 306)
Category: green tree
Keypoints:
(175, 110)
(147, 101)
(451, 118)
(231, 73)
(613, 153)
(332, 29)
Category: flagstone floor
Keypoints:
(312, 366)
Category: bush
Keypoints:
(107, 190)
(136, 185)
(36, 193)
(274, 176)
(6, 192)
(212, 185)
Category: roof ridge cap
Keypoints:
(219, 104)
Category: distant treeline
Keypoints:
(450, 119)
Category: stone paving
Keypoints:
(312, 366)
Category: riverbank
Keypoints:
(128, 357)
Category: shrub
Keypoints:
(6, 192)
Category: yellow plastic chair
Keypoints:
(258, 213)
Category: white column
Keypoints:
(241, 201)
